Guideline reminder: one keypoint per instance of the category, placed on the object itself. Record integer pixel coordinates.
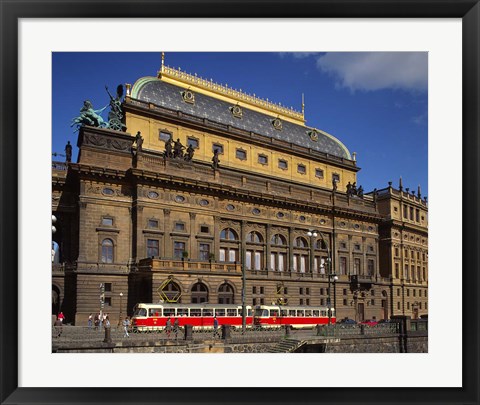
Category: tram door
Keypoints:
(361, 312)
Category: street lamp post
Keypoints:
(120, 312)
(328, 264)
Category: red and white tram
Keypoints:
(149, 317)
(297, 317)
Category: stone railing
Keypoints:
(188, 265)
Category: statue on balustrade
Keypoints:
(178, 149)
(89, 116)
(189, 153)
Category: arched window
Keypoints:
(228, 234)
(278, 253)
(254, 237)
(199, 293)
(301, 242)
(107, 251)
(279, 240)
(320, 244)
(225, 294)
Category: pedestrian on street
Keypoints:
(126, 324)
(90, 321)
(168, 327)
(61, 317)
(176, 327)
(215, 327)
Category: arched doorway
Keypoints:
(225, 294)
(199, 293)
(385, 305)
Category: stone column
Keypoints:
(268, 248)
(193, 241)
(291, 238)
(167, 242)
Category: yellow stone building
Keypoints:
(210, 190)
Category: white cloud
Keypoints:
(377, 70)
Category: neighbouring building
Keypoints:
(207, 183)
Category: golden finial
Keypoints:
(163, 59)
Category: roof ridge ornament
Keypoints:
(195, 80)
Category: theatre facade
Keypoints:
(208, 194)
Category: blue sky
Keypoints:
(375, 103)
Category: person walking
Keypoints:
(215, 327)
(126, 324)
(61, 317)
(168, 327)
(176, 324)
(90, 321)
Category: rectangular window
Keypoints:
(335, 177)
(152, 223)
(193, 141)
(344, 291)
(178, 249)
(153, 247)
(356, 266)
(424, 273)
(372, 302)
(262, 290)
(398, 305)
(417, 215)
(248, 260)
(396, 252)
(345, 302)
(164, 136)
(319, 173)
(322, 301)
(301, 169)
(217, 146)
(258, 261)
(179, 226)
(108, 301)
(204, 251)
(204, 229)
(241, 154)
(371, 267)
(418, 273)
(107, 287)
(254, 290)
(408, 292)
(398, 292)
(321, 291)
(405, 274)
(397, 270)
(263, 159)
(357, 246)
(300, 290)
(418, 255)
(343, 265)
(307, 291)
(408, 305)
(232, 255)
(411, 213)
(301, 301)
(107, 221)
(412, 254)
(282, 164)
(423, 256)
(414, 292)
(405, 211)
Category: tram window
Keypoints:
(207, 312)
(231, 312)
(155, 312)
(308, 312)
(274, 312)
(324, 313)
(249, 312)
(195, 312)
(219, 312)
(316, 312)
(182, 311)
(292, 312)
(141, 312)
(300, 312)
(284, 312)
(168, 311)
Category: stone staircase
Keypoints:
(287, 346)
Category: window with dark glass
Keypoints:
(152, 223)
(411, 213)
(263, 159)
(179, 226)
(107, 251)
(204, 251)
(356, 266)
(282, 164)
(204, 229)
(241, 154)
(178, 249)
(319, 173)
(193, 142)
(107, 301)
(165, 136)
(228, 234)
(107, 221)
(301, 169)
(417, 215)
(153, 247)
(405, 211)
(343, 265)
(217, 146)
(335, 177)
(371, 267)
(107, 287)
(199, 293)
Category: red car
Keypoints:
(369, 322)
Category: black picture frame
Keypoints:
(12, 11)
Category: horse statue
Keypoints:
(89, 116)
